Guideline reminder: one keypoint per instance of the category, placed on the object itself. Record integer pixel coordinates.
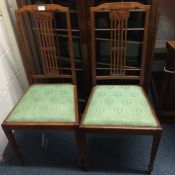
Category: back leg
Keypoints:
(155, 146)
(9, 134)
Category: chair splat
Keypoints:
(118, 41)
(49, 46)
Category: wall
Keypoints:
(13, 81)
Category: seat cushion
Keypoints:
(45, 103)
(119, 106)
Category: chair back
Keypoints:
(120, 39)
(49, 62)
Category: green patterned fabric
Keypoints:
(46, 103)
(119, 105)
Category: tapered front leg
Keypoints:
(155, 146)
(9, 134)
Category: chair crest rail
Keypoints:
(120, 5)
(47, 7)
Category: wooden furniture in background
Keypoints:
(46, 106)
(163, 87)
(119, 108)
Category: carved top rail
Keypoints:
(42, 7)
(120, 5)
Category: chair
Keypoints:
(45, 106)
(122, 108)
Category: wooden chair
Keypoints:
(45, 106)
(119, 108)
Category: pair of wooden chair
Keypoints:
(110, 108)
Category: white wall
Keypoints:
(13, 81)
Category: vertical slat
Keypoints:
(47, 47)
(118, 41)
(40, 41)
(51, 50)
(57, 47)
(114, 46)
(125, 46)
(47, 42)
(119, 45)
(111, 46)
(43, 47)
(121, 51)
(52, 43)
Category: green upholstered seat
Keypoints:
(46, 103)
(119, 106)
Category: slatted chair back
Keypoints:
(119, 14)
(47, 41)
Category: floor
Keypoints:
(108, 154)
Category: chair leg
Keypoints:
(83, 150)
(9, 134)
(77, 137)
(155, 145)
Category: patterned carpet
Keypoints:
(108, 154)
